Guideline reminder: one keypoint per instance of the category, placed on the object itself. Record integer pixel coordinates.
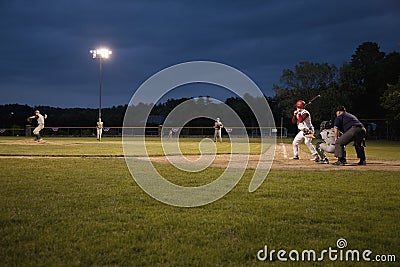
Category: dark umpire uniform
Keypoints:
(353, 130)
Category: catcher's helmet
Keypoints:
(300, 104)
(325, 125)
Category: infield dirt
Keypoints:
(282, 162)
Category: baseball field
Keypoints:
(73, 202)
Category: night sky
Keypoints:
(45, 45)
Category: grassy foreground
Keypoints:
(89, 211)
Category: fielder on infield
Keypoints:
(40, 120)
(218, 130)
(99, 128)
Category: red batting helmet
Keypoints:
(300, 104)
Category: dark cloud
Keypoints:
(45, 45)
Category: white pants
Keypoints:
(217, 134)
(327, 148)
(99, 133)
(297, 141)
(38, 129)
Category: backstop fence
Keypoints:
(376, 129)
(148, 131)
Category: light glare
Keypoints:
(101, 53)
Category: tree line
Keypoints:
(368, 86)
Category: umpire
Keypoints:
(353, 130)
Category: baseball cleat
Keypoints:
(324, 161)
(295, 157)
(315, 160)
(338, 163)
(362, 162)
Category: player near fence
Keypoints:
(302, 117)
(353, 130)
(218, 130)
(99, 128)
(40, 121)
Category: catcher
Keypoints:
(328, 135)
(306, 130)
(40, 120)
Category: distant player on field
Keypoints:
(218, 130)
(306, 130)
(99, 128)
(40, 120)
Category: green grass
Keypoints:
(60, 147)
(383, 150)
(109, 147)
(112, 147)
(89, 211)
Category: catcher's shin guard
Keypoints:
(320, 152)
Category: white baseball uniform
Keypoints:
(40, 121)
(218, 131)
(303, 119)
(99, 130)
(328, 135)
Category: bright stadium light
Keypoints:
(101, 54)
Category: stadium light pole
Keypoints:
(102, 53)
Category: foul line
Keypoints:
(284, 150)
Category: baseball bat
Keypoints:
(312, 100)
